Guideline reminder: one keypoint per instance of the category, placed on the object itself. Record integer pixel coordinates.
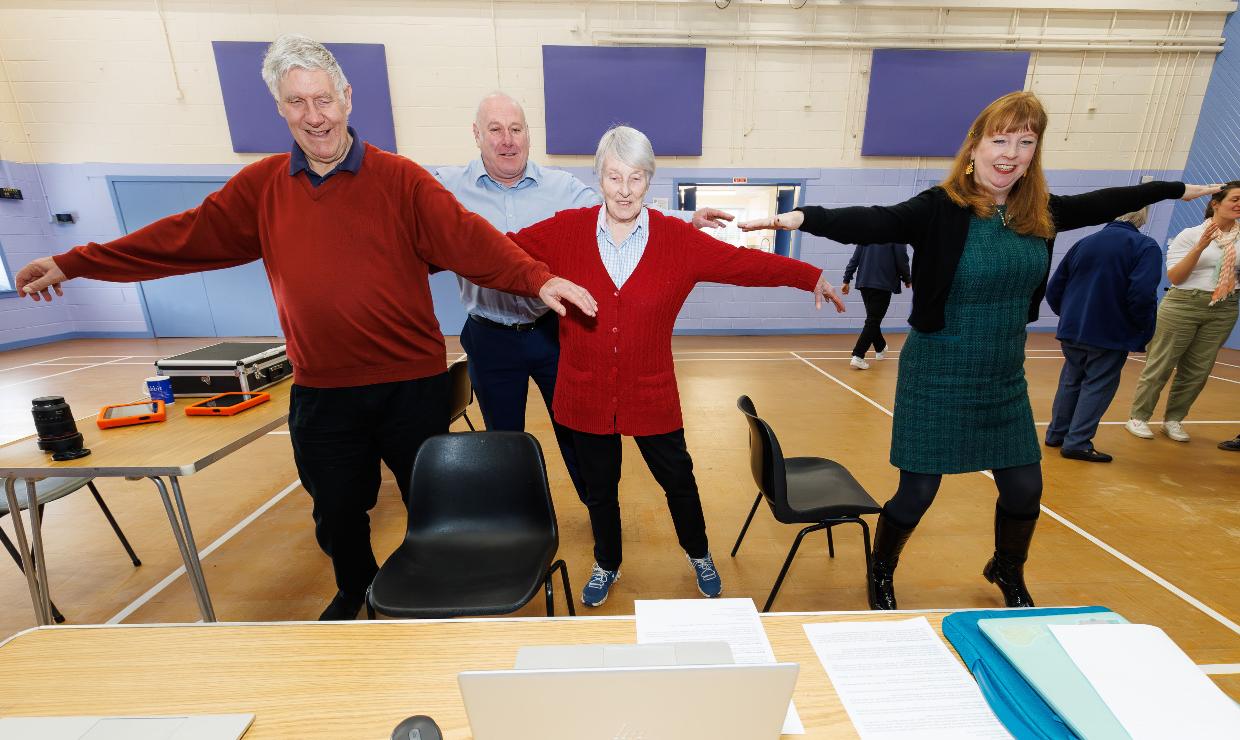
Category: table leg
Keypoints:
(38, 597)
(188, 556)
(208, 613)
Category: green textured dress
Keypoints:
(962, 403)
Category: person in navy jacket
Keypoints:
(1104, 292)
(880, 268)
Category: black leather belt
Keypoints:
(510, 327)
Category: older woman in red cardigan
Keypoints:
(616, 375)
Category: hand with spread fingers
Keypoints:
(824, 290)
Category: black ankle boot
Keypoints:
(1007, 568)
(889, 539)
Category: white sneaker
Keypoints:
(858, 363)
(1175, 430)
(1138, 428)
(880, 355)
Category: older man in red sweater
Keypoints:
(347, 233)
(616, 375)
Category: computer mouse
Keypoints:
(417, 727)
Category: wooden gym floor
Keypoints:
(1154, 535)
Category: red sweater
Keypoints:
(616, 373)
(348, 261)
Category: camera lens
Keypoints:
(54, 425)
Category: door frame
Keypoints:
(120, 217)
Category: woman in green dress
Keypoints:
(982, 242)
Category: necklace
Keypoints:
(1002, 210)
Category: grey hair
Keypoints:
(628, 145)
(1136, 218)
(294, 51)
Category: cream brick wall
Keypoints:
(94, 79)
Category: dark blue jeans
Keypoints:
(1087, 384)
(501, 364)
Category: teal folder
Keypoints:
(1028, 645)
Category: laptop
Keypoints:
(669, 691)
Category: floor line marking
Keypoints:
(65, 372)
(202, 554)
(1177, 591)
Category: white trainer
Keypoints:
(1138, 428)
(1175, 430)
(858, 363)
(880, 355)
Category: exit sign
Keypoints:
(739, 180)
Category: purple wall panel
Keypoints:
(922, 102)
(658, 91)
(253, 122)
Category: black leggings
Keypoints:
(1020, 493)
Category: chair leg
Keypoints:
(568, 590)
(467, 421)
(830, 544)
(547, 587)
(745, 528)
(865, 541)
(133, 557)
(788, 562)
(17, 558)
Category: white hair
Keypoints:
(1136, 218)
(629, 146)
(295, 51)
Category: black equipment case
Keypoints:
(226, 367)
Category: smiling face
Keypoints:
(1228, 208)
(624, 188)
(502, 138)
(1001, 159)
(317, 116)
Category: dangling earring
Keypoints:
(969, 170)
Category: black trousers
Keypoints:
(876, 304)
(340, 436)
(667, 457)
(501, 364)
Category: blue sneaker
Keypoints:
(707, 577)
(595, 592)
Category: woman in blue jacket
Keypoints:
(880, 269)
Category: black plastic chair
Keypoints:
(46, 491)
(801, 490)
(462, 391)
(482, 534)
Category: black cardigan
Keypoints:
(937, 229)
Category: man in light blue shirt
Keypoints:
(511, 339)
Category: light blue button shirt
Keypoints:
(539, 195)
(621, 260)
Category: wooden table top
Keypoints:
(355, 680)
(181, 445)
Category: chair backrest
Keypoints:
(462, 391)
(766, 460)
(487, 486)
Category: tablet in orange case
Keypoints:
(227, 404)
(128, 414)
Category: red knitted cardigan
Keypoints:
(616, 373)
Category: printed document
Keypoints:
(734, 621)
(898, 681)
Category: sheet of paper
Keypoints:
(734, 621)
(898, 681)
(1150, 685)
